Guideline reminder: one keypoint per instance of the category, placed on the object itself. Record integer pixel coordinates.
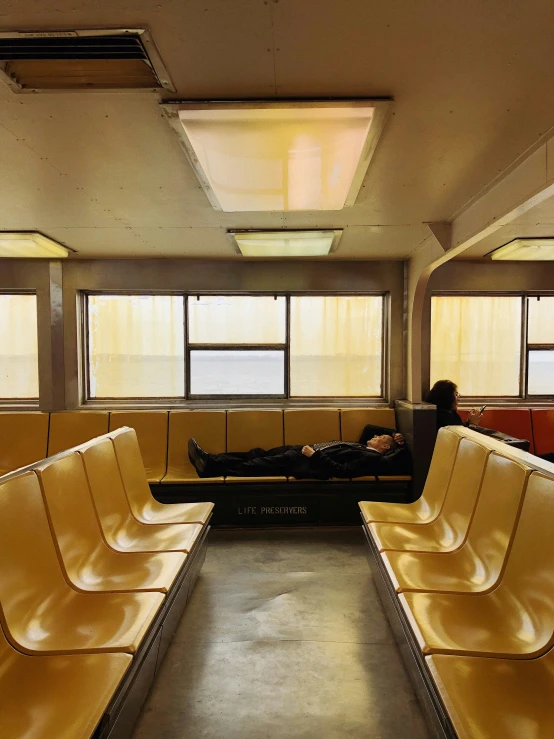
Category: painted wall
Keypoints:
(59, 319)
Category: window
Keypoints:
(18, 347)
(135, 346)
(501, 346)
(476, 343)
(540, 346)
(336, 346)
(237, 345)
(199, 346)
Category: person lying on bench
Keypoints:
(380, 455)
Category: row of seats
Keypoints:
(534, 424)
(469, 571)
(26, 437)
(88, 562)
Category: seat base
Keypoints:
(433, 709)
(313, 503)
(120, 716)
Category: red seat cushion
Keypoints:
(543, 430)
(513, 421)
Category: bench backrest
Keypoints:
(249, 429)
(309, 426)
(440, 471)
(30, 575)
(24, 439)
(207, 427)
(353, 420)
(105, 484)
(496, 513)
(529, 574)
(131, 469)
(66, 493)
(70, 428)
(463, 490)
(151, 428)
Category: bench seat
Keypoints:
(83, 627)
(447, 532)
(144, 507)
(476, 624)
(478, 564)
(247, 480)
(516, 619)
(40, 613)
(492, 698)
(191, 479)
(151, 428)
(122, 531)
(89, 563)
(56, 696)
(429, 505)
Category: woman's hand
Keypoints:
(307, 451)
(474, 417)
(399, 439)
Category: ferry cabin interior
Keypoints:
(263, 223)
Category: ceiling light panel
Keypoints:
(526, 250)
(285, 243)
(28, 245)
(297, 156)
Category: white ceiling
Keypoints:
(104, 174)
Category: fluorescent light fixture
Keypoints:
(280, 156)
(26, 245)
(285, 243)
(526, 250)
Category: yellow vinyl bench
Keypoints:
(82, 618)
(162, 440)
(263, 500)
(62, 696)
(476, 621)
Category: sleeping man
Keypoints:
(379, 452)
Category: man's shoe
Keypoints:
(198, 457)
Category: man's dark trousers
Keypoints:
(279, 461)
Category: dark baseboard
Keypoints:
(122, 713)
(273, 504)
(433, 709)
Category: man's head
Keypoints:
(382, 444)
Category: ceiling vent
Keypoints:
(115, 59)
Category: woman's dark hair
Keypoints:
(443, 394)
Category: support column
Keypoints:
(51, 349)
(527, 183)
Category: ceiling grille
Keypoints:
(81, 60)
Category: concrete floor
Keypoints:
(284, 636)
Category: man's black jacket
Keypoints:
(346, 462)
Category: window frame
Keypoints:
(212, 400)
(535, 347)
(24, 403)
(524, 347)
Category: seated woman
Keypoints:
(380, 455)
(444, 394)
